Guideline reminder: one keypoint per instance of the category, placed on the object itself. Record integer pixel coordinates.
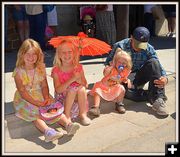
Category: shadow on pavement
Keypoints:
(19, 129)
(48, 145)
(108, 107)
(173, 115)
(9, 107)
(42, 143)
(64, 139)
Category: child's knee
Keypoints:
(71, 92)
(82, 90)
(123, 90)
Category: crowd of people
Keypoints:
(131, 64)
(32, 21)
(95, 20)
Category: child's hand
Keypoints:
(87, 85)
(77, 76)
(129, 83)
(39, 103)
(48, 101)
(107, 70)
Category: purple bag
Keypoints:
(51, 111)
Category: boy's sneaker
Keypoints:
(160, 107)
(51, 135)
(72, 128)
(120, 108)
(94, 111)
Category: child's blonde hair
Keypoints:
(57, 61)
(118, 54)
(27, 45)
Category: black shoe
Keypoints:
(137, 95)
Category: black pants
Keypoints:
(150, 71)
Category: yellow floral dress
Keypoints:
(24, 109)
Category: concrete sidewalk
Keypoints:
(139, 130)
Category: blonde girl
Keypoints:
(70, 83)
(33, 92)
(110, 88)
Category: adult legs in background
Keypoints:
(171, 25)
(149, 23)
(37, 28)
(105, 26)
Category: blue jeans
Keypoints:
(37, 28)
(20, 15)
